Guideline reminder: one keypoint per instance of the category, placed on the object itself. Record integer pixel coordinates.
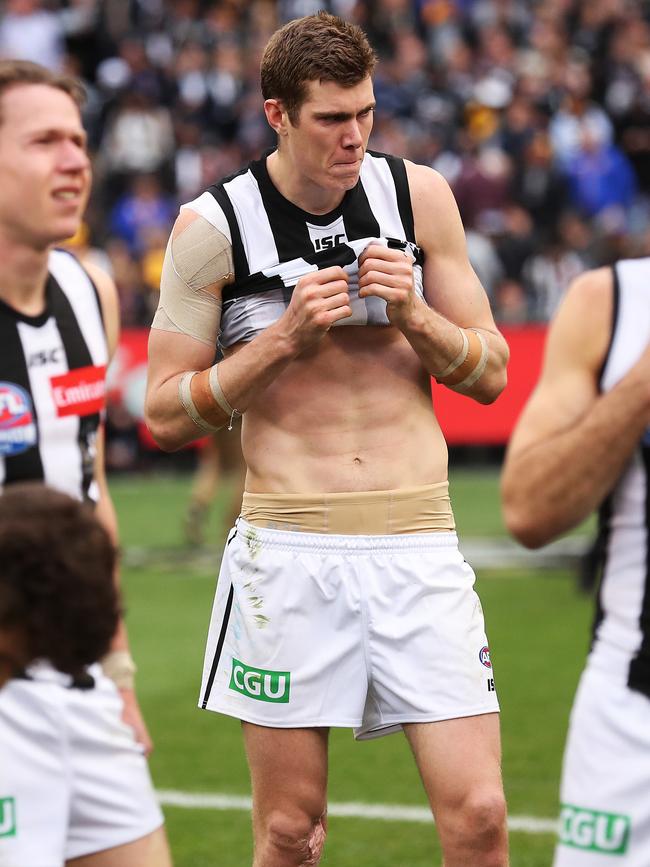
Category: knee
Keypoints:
(479, 825)
(298, 839)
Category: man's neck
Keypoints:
(23, 275)
(300, 191)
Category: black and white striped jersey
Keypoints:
(622, 626)
(275, 243)
(52, 384)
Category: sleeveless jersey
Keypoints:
(52, 389)
(621, 639)
(275, 243)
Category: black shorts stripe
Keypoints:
(222, 636)
(217, 654)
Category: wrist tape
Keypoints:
(120, 667)
(470, 363)
(210, 392)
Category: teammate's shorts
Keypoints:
(605, 792)
(73, 780)
(367, 632)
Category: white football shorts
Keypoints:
(367, 632)
(73, 780)
(605, 791)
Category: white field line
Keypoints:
(353, 810)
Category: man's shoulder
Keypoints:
(68, 270)
(253, 167)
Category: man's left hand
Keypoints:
(388, 274)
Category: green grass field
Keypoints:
(538, 626)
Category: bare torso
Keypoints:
(353, 414)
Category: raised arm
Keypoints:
(571, 443)
(454, 334)
(187, 394)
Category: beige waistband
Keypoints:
(424, 509)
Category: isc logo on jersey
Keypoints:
(17, 428)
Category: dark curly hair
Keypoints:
(56, 577)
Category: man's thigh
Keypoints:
(149, 851)
(288, 769)
(457, 756)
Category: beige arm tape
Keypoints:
(479, 370)
(219, 396)
(472, 366)
(187, 402)
(120, 667)
(199, 256)
(456, 363)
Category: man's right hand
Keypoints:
(318, 301)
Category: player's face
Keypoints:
(330, 138)
(44, 167)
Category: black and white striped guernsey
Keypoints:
(275, 243)
(52, 384)
(621, 641)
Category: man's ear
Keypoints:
(276, 116)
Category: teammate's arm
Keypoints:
(318, 300)
(454, 333)
(118, 663)
(571, 443)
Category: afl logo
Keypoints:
(484, 656)
(17, 428)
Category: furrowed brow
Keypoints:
(342, 115)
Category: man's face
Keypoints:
(329, 139)
(44, 167)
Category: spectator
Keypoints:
(29, 32)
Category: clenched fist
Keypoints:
(318, 301)
(388, 274)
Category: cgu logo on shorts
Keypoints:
(7, 817)
(17, 428)
(259, 683)
(594, 831)
(79, 392)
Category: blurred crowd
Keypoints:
(537, 113)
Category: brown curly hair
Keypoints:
(319, 47)
(56, 577)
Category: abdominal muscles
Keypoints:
(352, 414)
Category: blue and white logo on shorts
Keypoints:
(484, 656)
(17, 428)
